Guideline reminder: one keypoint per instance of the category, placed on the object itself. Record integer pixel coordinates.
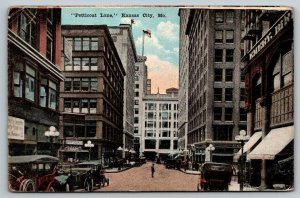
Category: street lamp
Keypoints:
(210, 148)
(52, 133)
(89, 145)
(242, 137)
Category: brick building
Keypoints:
(34, 74)
(91, 99)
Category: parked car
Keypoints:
(214, 177)
(34, 173)
(172, 163)
(86, 175)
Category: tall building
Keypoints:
(123, 39)
(140, 89)
(92, 95)
(183, 80)
(34, 74)
(159, 123)
(215, 84)
(269, 69)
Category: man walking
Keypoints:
(152, 170)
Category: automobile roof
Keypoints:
(31, 159)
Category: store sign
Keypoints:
(73, 148)
(74, 142)
(15, 128)
(274, 30)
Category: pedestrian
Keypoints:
(152, 170)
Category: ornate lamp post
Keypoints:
(51, 134)
(242, 137)
(89, 145)
(210, 148)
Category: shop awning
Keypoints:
(249, 144)
(273, 143)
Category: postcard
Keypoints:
(150, 98)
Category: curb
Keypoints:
(189, 173)
(117, 171)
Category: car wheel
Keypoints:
(27, 185)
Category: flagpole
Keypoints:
(143, 43)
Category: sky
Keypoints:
(162, 49)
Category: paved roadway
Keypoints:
(139, 179)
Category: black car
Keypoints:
(86, 175)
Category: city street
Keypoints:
(139, 179)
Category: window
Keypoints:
(150, 144)
(136, 120)
(228, 94)
(164, 144)
(218, 55)
(94, 84)
(43, 94)
(49, 51)
(137, 86)
(229, 36)
(218, 94)
(84, 84)
(93, 106)
(217, 113)
(76, 84)
(229, 55)
(242, 94)
(219, 36)
(136, 94)
(243, 114)
(85, 43)
(80, 105)
(30, 83)
(94, 64)
(223, 132)
(18, 81)
(27, 29)
(218, 74)
(229, 16)
(136, 102)
(228, 114)
(90, 128)
(136, 129)
(52, 95)
(229, 74)
(136, 78)
(68, 105)
(136, 111)
(219, 17)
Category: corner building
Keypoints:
(215, 82)
(92, 94)
(34, 75)
(269, 69)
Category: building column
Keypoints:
(264, 128)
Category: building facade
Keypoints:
(159, 123)
(140, 90)
(34, 74)
(269, 69)
(215, 84)
(92, 95)
(183, 80)
(123, 39)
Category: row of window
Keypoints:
(197, 135)
(81, 64)
(74, 130)
(162, 144)
(25, 86)
(81, 84)
(228, 75)
(161, 133)
(162, 115)
(111, 113)
(162, 106)
(218, 94)
(76, 105)
(162, 124)
(219, 36)
(222, 16)
(219, 55)
(228, 114)
(84, 43)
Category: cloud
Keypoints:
(163, 74)
(168, 30)
(149, 42)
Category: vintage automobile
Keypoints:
(34, 173)
(214, 177)
(85, 175)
